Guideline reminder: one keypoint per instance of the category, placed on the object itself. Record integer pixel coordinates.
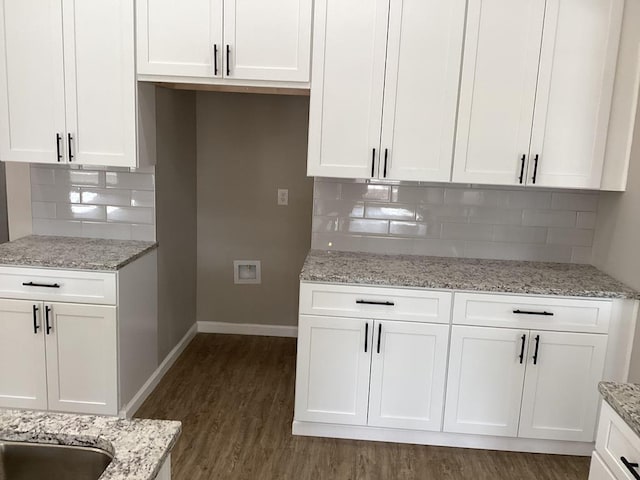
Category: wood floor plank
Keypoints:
(234, 395)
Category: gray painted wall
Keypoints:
(248, 147)
(4, 225)
(176, 216)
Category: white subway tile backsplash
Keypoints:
(43, 210)
(130, 215)
(570, 236)
(130, 181)
(430, 219)
(81, 212)
(586, 202)
(73, 200)
(112, 196)
(549, 218)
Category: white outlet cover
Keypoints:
(247, 272)
(283, 196)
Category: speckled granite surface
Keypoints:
(72, 253)
(624, 398)
(536, 278)
(139, 447)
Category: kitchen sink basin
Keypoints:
(33, 461)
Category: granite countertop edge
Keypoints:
(139, 447)
(624, 398)
(462, 274)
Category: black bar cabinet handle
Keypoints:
(631, 467)
(366, 337)
(524, 339)
(535, 168)
(47, 310)
(379, 335)
(58, 149)
(228, 57)
(45, 285)
(535, 354)
(373, 163)
(524, 158)
(373, 302)
(386, 157)
(528, 312)
(215, 59)
(36, 327)
(70, 139)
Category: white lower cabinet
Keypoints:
(523, 383)
(369, 372)
(58, 356)
(82, 358)
(598, 470)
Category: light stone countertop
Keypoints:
(72, 253)
(469, 274)
(624, 398)
(139, 447)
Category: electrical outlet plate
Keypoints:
(283, 196)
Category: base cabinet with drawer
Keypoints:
(498, 371)
(90, 351)
(617, 453)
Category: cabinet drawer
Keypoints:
(536, 313)
(58, 285)
(375, 303)
(615, 441)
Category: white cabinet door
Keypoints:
(334, 357)
(267, 40)
(598, 470)
(575, 88)
(31, 80)
(497, 94)
(349, 50)
(179, 38)
(485, 380)
(421, 89)
(23, 377)
(408, 371)
(82, 362)
(100, 82)
(560, 400)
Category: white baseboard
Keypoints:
(132, 407)
(248, 329)
(442, 439)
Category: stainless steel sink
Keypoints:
(32, 461)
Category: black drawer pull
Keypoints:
(521, 178)
(45, 285)
(47, 310)
(535, 354)
(631, 467)
(371, 302)
(526, 312)
(366, 337)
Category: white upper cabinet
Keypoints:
(536, 92)
(349, 48)
(498, 89)
(100, 83)
(424, 55)
(404, 55)
(180, 38)
(32, 117)
(575, 89)
(267, 40)
(67, 83)
(217, 41)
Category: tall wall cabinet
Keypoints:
(67, 83)
(527, 102)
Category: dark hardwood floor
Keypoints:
(234, 395)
